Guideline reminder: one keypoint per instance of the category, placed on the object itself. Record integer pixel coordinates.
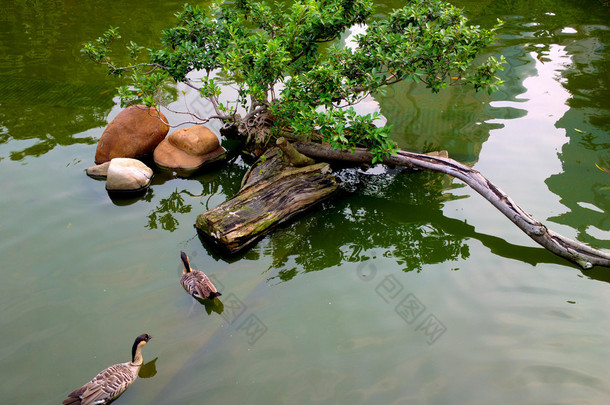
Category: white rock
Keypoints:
(126, 174)
(99, 171)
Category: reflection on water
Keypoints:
(162, 214)
(148, 370)
(50, 94)
(587, 123)
(221, 181)
(214, 305)
(403, 203)
(417, 232)
(572, 43)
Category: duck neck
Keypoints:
(137, 357)
(185, 262)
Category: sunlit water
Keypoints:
(413, 289)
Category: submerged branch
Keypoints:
(574, 251)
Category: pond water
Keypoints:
(412, 289)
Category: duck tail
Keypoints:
(74, 397)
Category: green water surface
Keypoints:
(411, 290)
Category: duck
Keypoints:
(195, 282)
(110, 383)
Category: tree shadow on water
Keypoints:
(395, 215)
(163, 214)
(221, 181)
(399, 217)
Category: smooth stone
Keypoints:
(135, 132)
(196, 140)
(126, 174)
(188, 149)
(98, 171)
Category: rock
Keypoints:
(187, 149)
(135, 132)
(125, 174)
(98, 171)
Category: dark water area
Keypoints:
(410, 289)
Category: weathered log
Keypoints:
(574, 251)
(272, 194)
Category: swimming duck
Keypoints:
(195, 282)
(110, 383)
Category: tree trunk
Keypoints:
(271, 194)
(576, 252)
(294, 157)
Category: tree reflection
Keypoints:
(587, 124)
(223, 180)
(163, 216)
(581, 29)
(50, 94)
(395, 215)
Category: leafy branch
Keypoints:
(291, 76)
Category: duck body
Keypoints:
(195, 282)
(106, 386)
(111, 382)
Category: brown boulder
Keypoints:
(135, 132)
(187, 149)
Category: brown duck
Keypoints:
(195, 282)
(110, 383)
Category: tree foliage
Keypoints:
(291, 74)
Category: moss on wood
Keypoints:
(272, 194)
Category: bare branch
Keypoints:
(574, 251)
(137, 66)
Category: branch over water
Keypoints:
(574, 251)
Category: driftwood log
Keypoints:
(574, 251)
(271, 194)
